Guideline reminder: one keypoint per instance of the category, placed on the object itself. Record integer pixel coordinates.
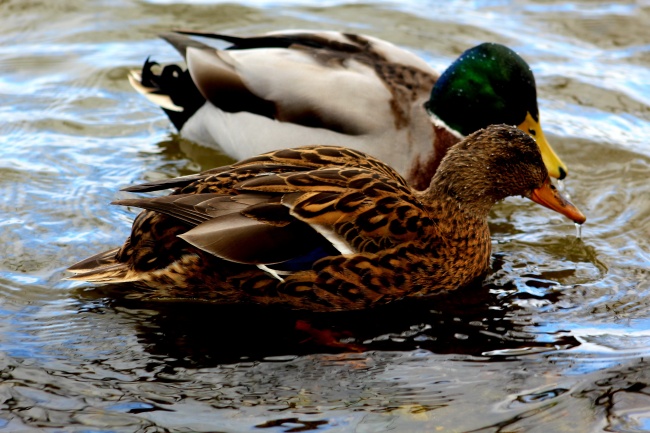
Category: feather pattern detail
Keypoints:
(324, 228)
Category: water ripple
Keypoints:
(557, 336)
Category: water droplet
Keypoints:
(578, 231)
(562, 189)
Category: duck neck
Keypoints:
(425, 167)
(463, 197)
(453, 212)
(461, 245)
(459, 206)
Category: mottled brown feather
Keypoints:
(204, 240)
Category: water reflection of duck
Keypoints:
(325, 228)
(472, 322)
(289, 89)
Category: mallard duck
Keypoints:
(325, 228)
(290, 89)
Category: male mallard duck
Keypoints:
(325, 228)
(290, 89)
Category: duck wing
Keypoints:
(223, 179)
(310, 78)
(355, 209)
(251, 228)
(277, 207)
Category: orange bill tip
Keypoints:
(548, 196)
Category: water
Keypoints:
(556, 339)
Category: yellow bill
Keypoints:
(554, 164)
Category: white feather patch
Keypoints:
(337, 241)
(440, 124)
(271, 272)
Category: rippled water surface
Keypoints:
(557, 339)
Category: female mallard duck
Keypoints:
(325, 228)
(290, 89)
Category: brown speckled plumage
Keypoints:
(205, 240)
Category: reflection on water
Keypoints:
(461, 323)
(556, 339)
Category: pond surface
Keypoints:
(556, 340)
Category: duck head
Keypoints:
(491, 84)
(498, 162)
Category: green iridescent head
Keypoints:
(487, 84)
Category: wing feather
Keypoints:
(318, 74)
(363, 208)
(250, 228)
(281, 205)
(238, 238)
(224, 179)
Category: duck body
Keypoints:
(288, 89)
(323, 228)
